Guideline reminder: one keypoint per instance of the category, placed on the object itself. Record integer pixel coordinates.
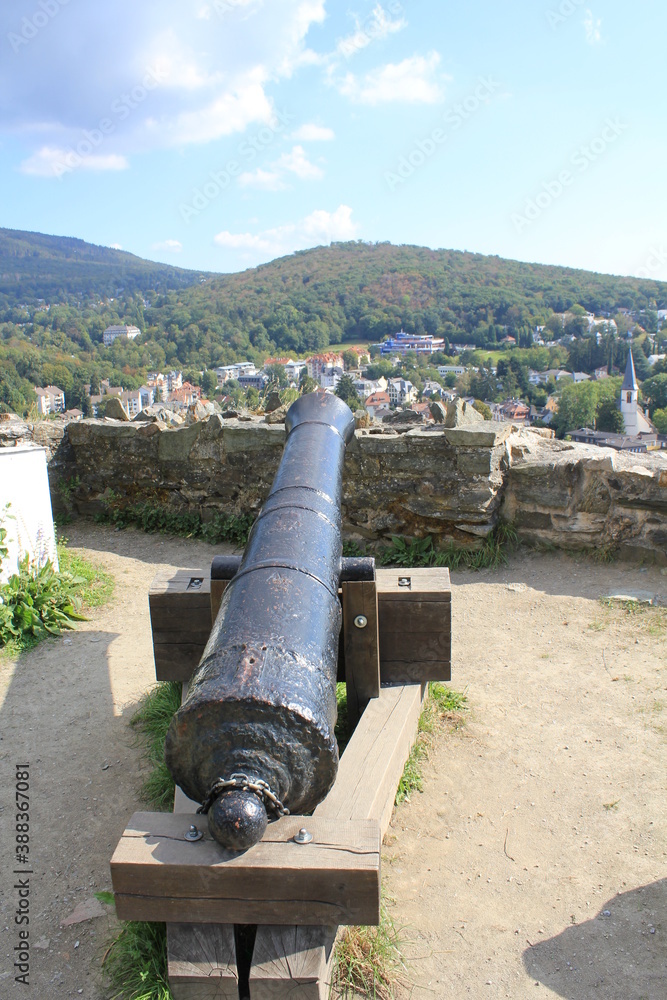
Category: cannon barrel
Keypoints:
(255, 734)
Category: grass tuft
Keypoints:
(151, 722)
(135, 964)
(443, 705)
(368, 961)
(97, 585)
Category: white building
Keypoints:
(331, 376)
(51, 399)
(401, 391)
(293, 369)
(451, 370)
(131, 402)
(113, 332)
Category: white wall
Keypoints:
(24, 485)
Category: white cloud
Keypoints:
(265, 180)
(211, 69)
(53, 161)
(115, 246)
(320, 227)
(374, 28)
(168, 246)
(314, 133)
(593, 28)
(295, 162)
(412, 81)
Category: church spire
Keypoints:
(630, 380)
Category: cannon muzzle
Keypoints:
(255, 736)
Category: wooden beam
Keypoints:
(361, 646)
(158, 875)
(292, 962)
(371, 767)
(201, 962)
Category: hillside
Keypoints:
(361, 291)
(347, 292)
(56, 268)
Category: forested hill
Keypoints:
(361, 291)
(60, 268)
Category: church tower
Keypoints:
(635, 420)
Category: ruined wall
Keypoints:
(451, 483)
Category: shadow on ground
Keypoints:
(608, 956)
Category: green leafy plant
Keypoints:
(36, 602)
(415, 552)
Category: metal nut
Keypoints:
(193, 834)
(361, 621)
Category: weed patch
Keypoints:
(415, 552)
(151, 722)
(151, 517)
(444, 706)
(368, 961)
(135, 964)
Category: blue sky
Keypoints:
(219, 134)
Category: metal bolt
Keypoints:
(303, 837)
(361, 621)
(405, 581)
(193, 834)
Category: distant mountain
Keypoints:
(58, 268)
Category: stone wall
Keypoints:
(451, 483)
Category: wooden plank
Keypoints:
(361, 646)
(201, 962)
(414, 625)
(415, 647)
(157, 875)
(430, 584)
(180, 637)
(294, 962)
(371, 767)
(397, 672)
(177, 662)
(197, 619)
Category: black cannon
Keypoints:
(255, 735)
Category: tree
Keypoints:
(306, 383)
(654, 390)
(577, 407)
(209, 383)
(609, 417)
(660, 421)
(345, 390)
(277, 376)
(350, 360)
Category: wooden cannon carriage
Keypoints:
(295, 895)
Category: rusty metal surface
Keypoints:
(263, 700)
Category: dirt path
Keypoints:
(500, 870)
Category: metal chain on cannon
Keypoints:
(244, 784)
